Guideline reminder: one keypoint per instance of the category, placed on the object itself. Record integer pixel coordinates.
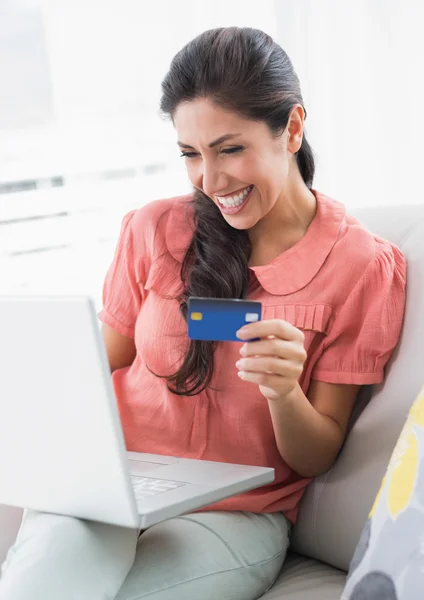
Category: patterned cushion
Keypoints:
(388, 563)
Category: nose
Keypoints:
(212, 178)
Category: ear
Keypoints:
(295, 128)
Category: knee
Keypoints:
(88, 536)
(67, 542)
(53, 533)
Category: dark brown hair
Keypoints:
(242, 70)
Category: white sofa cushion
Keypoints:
(336, 504)
(307, 579)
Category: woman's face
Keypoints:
(238, 163)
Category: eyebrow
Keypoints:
(220, 140)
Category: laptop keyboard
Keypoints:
(145, 487)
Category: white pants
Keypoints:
(200, 556)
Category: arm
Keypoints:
(120, 349)
(310, 431)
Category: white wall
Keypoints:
(109, 56)
(360, 67)
(106, 59)
(105, 63)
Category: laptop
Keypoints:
(62, 448)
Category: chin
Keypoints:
(241, 223)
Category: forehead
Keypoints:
(201, 121)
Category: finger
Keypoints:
(274, 347)
(270, 365)
(277, 327)
(274, 382)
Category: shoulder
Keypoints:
(358, 251)
(369, 253)
(155, 214)
(160, 225)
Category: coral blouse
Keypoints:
(342, 285)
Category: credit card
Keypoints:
(218, 320)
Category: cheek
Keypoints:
(194, 173)
(277, 172)
(265, 171)
(247, 170)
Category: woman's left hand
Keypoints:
(275, 362)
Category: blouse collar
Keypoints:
(296, 267)
(290, 271)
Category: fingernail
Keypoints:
(243, 350)
(242, 331)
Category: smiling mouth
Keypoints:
(237, 206)
(234, 200)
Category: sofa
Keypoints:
(336, 504)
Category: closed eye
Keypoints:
(188, 154)
(233, 150)
(224, 151)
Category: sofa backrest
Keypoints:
(336, 504)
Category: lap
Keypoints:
(209, 555)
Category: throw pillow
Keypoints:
(388, 563)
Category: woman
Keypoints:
(333, 299)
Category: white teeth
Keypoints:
(233, 201)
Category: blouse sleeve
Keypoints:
(122, 290)
(367, 328)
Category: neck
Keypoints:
(285, 224)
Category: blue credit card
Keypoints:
(216, 319)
